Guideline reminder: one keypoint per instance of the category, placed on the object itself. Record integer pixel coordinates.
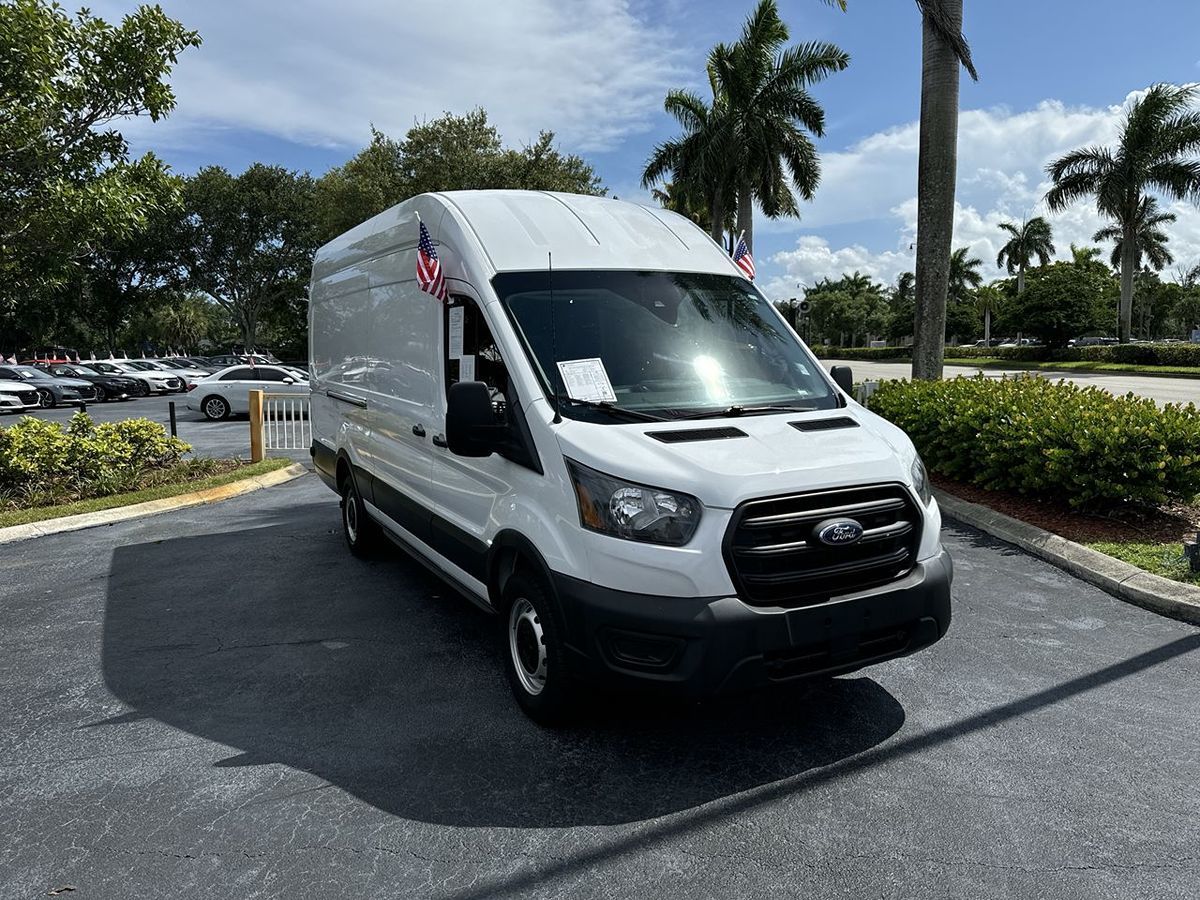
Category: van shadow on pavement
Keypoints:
(382, 681)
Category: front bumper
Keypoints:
(718, 645)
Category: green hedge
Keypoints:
(864, 353)
(1049, 439)
(1128, 354)
(42, 462)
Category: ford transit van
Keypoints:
(608, 437)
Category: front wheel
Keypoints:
(534, 658)
(215, 408)
(101, 394)
(46, 400)
(141, 389)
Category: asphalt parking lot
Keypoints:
(228, 438)
(223, 702)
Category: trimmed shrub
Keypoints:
(1051, 439)
(863, 353)
(42, 462)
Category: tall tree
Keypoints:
(1149, 240)
(987, 303)
(67, 182)
(249, 239)
(902, 305)
(752, 145)
(1029, 241)
(1158, 149)
(1084, 255)
(447, 154)
(943, 50)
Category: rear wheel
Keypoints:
(363, 535)
(534, 659)
(215, 408)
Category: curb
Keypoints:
(14, 533)
(1124, 581)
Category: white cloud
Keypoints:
(1001, 177)
(587, 69)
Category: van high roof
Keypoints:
(516, 229)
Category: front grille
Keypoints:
(87, 393)
(29, 398)
(775, 558)
(174, 383)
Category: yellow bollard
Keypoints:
(256, 426)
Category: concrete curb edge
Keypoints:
(1124, 581)
(14, 533)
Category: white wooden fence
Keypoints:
(278, 422)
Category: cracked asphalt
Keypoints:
(222, 702)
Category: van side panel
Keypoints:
(338, 305)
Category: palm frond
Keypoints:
(949, 31)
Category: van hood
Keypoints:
(773, 457)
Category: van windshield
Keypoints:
(671, 344)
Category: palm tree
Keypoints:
(754, 137)
(697, 160)
(1029, 241)
(1159, 148)
(761, 85)
(943, 50)
(1149, 240)
(963, 276)
(987, 301)
(1081, 256)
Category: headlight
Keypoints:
(920, 481)
(633, 511)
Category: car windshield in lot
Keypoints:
(671, 344)
(25, 373)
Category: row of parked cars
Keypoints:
(51, 383)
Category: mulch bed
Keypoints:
(1167, 524)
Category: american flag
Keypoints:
(742, 258)
(429, 269)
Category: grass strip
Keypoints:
(157, 492)
(1157, 559)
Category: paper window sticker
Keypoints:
(456, 332)
(586, 379)
(466, 367)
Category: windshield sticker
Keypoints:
(466, 367)
(456, 332)
(586, 379)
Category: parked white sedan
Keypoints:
(228, 391)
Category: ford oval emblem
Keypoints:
(839, 532)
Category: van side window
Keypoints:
(478, 343)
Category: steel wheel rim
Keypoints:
(527, 646)
(350, 516)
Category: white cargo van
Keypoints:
(627, 455)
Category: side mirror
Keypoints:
(471, 428)
(289, 380)
(843, 378)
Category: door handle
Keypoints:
(419, 430)
(439, 440)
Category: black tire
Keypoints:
(46, 399)
(101, 394)
(141, 389)
(363, 535)
(534, 657)
(215, 408)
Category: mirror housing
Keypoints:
(471, 428)
(843, 378)
(289, 380)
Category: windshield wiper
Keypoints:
(743, 411)
(607, 407)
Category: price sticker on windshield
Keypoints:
(586, 379)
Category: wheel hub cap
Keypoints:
(527, 644)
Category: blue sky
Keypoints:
(300, 90)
